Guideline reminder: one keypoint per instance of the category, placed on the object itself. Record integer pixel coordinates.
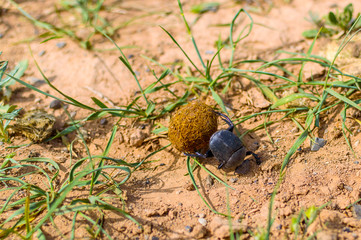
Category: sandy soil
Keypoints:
(159, 195)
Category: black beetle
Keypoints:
(226, 147)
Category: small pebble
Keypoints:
(356, 162)
(155, 238)
(317, 144)
(41, 53)
(61, 44)
(202, 221)
(55, 104)
(279, 227)
(73, 114)
(162, 164)
(346, 229)
(189, 228)
(180, 204)
(209, 180)
(130, 56)
(1, 35)
(348, 188)
(147, 181)
(233, 180)
(103, 121)
(209, 52)
(202, 215)
(356, 209)
(137, 73)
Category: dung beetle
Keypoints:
(227, 148)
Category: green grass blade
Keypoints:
(293, 97)
(294, 148)
(343, 98)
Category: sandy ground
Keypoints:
(159, 195)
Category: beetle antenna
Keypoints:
(227, 120)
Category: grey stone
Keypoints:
(317, 144)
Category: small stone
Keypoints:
(55, 104)
(61, 44)
(202, 215)
(356, 162)
(130, 56)
(121, 138)
(137, 138)
(209, 52)
(233, 180)
(317, 144)
(202, 221)
(279, 227)
(73, 114)
(103, 121)
(346, 229)
(41, 53)
(189, 187)
(1, 35)
(356, 209)
(155, 238)
(348, 188)
(162, 164)
(189, 228)
(137, 73)
(209, 180)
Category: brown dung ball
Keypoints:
(192, 126)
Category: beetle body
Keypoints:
(227, 148)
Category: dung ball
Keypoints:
(192, 126)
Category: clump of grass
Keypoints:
(42, 203)
(87, 15)
(333, 23)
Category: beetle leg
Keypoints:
(196, 154)
(227, 120)
(221, 165)
(209, 153)
(258, 159)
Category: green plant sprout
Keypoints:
(87, 15)
(333, 23)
